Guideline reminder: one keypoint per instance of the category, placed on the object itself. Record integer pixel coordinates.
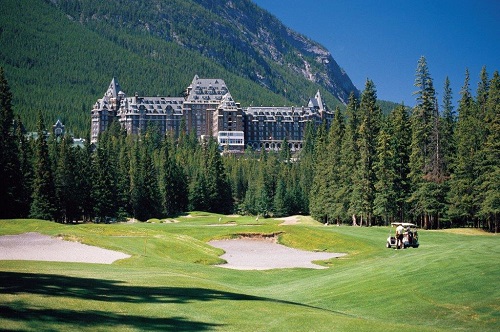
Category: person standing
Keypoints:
(399, 236)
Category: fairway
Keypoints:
(171, 282)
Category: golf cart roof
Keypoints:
(404, 224)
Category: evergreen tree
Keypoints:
(369, 128)
(150, 201)
(426, 162)
(65, 182)
(305, 168)
(488, 182)
(173, 185)
(104, 186)
(385, 171)
(280, 203)
(84, 178)
(350, 193)
(10, 183)
(219, 189)
(336, 208)
(448, 123)
(123, 178)
(462, 198)
(25, 176)
(400, 132)
(42, 205)
(318, 188)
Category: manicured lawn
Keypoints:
(449, 283)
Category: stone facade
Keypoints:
(208, 109)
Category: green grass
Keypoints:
(449, 283)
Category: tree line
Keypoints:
(423, 164)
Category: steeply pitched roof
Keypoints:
(114, 88)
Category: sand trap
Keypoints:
(292, 220)
(39, 247)
(258, 254)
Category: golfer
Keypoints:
(399, 236)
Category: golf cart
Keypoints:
(409, 233)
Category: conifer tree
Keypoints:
(385, 171)
(400, 132)
(25, 176)
(318, 188)
(448, 124)
(336, 209)
(349, 193)
(104, 186)
(369, 128)
(305, 167)
(10, 184)
(173, 186)
(463, 205)
(42, 205)
(219, 189)
(488, 182)
(123, 178)
(65, 182)
(426, 162)
(84, 177)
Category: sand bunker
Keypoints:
(39, 247)
(258, 254)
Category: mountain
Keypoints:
(60, 55)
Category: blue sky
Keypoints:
(383, 40)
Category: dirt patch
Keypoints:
(39, 247)
(292, 220)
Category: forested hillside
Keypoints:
(59, 56)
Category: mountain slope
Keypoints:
(59, 56)
(237, 34)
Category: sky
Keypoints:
(383, 40)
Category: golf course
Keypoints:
(174, 280)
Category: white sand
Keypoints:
(39, 247)
(258, 254)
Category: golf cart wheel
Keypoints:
(388, 245)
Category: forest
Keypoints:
(428, 164)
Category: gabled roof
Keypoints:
(114, 88)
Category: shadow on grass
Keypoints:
(109, 291)
(98, 319)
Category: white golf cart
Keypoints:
(409, 233)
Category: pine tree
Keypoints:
(104, 186)
(219, 189)
(488, 182)
(336, 210)
(317, 194)
(10, 183)
(384, 204)
(305, 166)
(42, 205)
(426, 162)
(463, 195)
(173, 185)
(369, 128)
(65, 182)
(84, 178)
(25, 176)
(150, 201)
(349, 193)
(448, 124)
(400, 133)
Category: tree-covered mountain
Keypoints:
(59, 56)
